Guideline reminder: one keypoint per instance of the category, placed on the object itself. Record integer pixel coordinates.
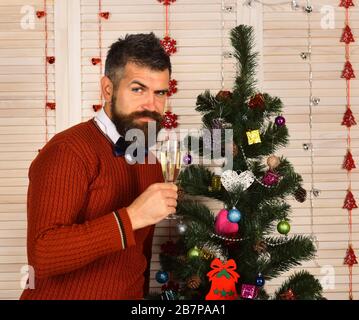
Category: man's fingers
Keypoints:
(171, 210)
(170, 194)
(165, 186)
(171, 203)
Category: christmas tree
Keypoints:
(231, 254)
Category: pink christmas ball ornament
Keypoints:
(223, 226)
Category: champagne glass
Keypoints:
(170, 159)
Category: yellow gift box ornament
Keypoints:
(216, 183)
(253, 137)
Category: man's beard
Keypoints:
(124, 122)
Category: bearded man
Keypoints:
(92, 209)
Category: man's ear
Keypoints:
(106, 88)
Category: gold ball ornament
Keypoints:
(273, 162)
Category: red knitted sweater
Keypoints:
(80, 241)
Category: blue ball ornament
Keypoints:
(234, 215)
(260, 280)
(162, 277)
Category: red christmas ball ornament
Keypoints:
(349, 163)
(348, 72)
(349, 202)
(169, 120)
(96, 107)
(170, 248)
(347, 35)
(50, 60)
(51, 105)
(40, 14)
(224, 95)
(172, 89)
(287, 295)
(95, 61)
(104, 15)
(346, 3)
(348, 119)
(350, 257)
(169, 45)
(256, 102)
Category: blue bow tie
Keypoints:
(120, 147)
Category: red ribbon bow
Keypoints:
(227, 269)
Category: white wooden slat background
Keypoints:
(197, 66)
(22, 128)
(286, 74)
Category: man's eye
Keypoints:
(161, 93)
(137, 90)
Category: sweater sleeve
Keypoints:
(58, 185)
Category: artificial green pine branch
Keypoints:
(303, 285)
(195, 211)
(289, 183)
(273, 106)
(195, 181)
(272, 137)
(286, 254)
(242, 39)
(252, 118)
(206, 103)
(212, 108)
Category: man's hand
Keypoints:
(153, 205)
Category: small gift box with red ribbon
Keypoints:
(223, 278)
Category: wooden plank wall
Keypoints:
(22, 125)
(286, 74)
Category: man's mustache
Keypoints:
(147, 114)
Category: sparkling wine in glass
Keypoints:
(170, 158)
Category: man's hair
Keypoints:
(142, 49)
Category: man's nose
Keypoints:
(151, 102)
